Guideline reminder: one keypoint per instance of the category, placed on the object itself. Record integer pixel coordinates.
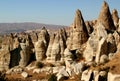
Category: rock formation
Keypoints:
(34, 37)
(90, 49)
(111, 43)
(89, 27)
(44, 36)
(95, 43)
(115, 17)
(49, 50)
(4, 58)
(24, 55)
(79, 32)
(55, 53)
(117, 37)
(105, 17)
(40, 50)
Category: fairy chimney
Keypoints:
(105, 17)
(79, 31)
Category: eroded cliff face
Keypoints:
(90, 43)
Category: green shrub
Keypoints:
(52, 77)
(39, 65)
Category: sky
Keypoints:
(59, 12)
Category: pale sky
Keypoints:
(60, 12)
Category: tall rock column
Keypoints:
(23, 54)
(49, 50)
(40, 50)
(115, 17)
(105, 17)
(4, 58)
(79, 31)
(55, 53)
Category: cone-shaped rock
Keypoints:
(55, 52)
(115, 17)
(40, 50)
(79, 34)
(105, 17)
(89, 27)
(49, 49)
(44, 36)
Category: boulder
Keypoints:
(104, 59)
(110, 56)
(62, 72)
(87, 75)
(24, 74)
(37, 70)
(78, 67)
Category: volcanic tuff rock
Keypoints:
(95, 43)
(48, 53)
(111, 43)
(5, 58)
(115, 17)
(24, 55)
(34, 37)
(84, 48)
(79, 32)
(105, 17)
(44, 36)
(89, 27)
(117, 37)
(40, 50)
